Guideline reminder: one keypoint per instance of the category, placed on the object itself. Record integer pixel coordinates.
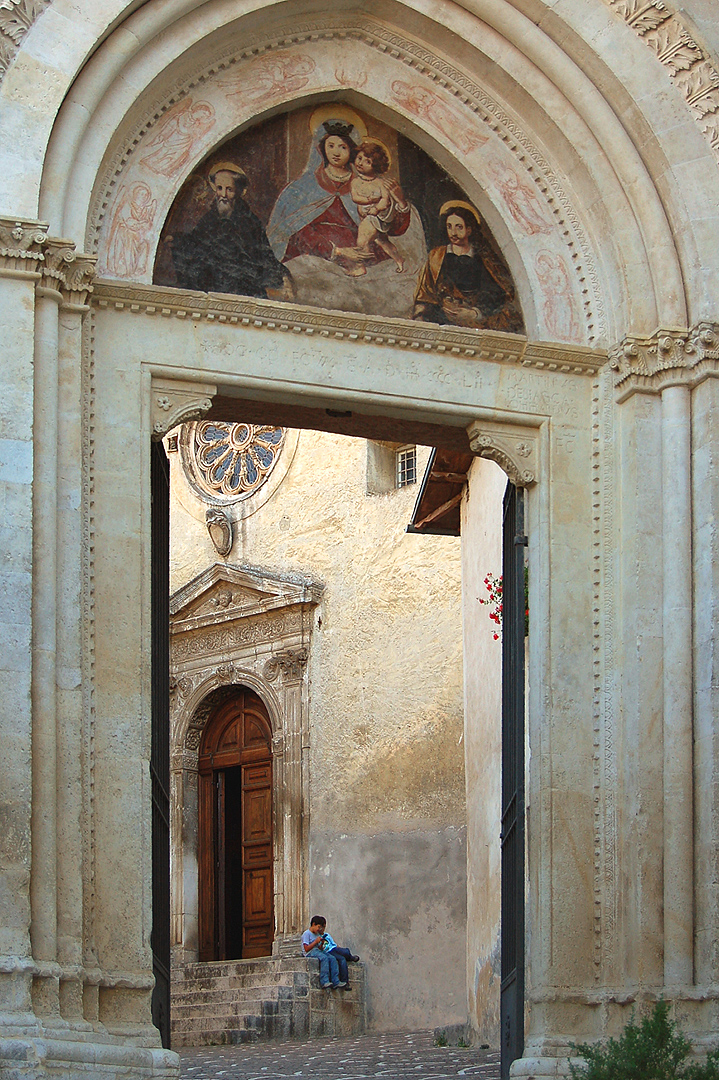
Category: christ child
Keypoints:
(378, 199)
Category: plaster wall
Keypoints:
(387, 860)
(482, 555)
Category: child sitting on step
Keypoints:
(333, 958)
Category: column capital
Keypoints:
(668, 357)
(67, 271)
(21, 247)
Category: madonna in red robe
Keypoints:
(315, 214)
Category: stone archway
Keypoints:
(234, 626)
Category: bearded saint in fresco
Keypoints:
(227, 251)
(464, 283)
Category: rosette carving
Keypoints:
(176, 402)
(513, 448)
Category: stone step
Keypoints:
(278, 998)
(231, 983)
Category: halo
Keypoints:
(337, 112)
(226, 166)
(378, 142)
(457, 203)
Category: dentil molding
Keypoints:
(183, 304)
(667, 358)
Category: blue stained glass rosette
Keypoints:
(232, 461)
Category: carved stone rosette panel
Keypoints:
(175, 402)
(514, 449)
(233, 627)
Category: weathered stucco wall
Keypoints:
(387, 793)
(482, 555)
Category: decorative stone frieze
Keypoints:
(295, 320)
(290, 665)
(690, 67)
(514, 449)
(175, 402)
(667, 358)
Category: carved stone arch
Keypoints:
(193, 714)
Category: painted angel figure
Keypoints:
(520, 200)
(270, 76)
(559, 304)
(428, 106)
(129, 243)
(174, 141)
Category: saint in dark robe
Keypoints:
(464, 283)
(228, 250)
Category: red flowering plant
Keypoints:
(494, 602)
(493, 586)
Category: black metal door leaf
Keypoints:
(160, 745)
(512, 932)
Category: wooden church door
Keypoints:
(236, 912)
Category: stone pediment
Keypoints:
(225, 593)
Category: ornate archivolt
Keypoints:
(689, 65)
(513, 181)
(234, 626)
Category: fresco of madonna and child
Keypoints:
(328, 207)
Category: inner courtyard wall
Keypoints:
(387, 808)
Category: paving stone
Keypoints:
(363, 1057)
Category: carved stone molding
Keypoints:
(689, 66)
(667, 358)
(67, 271)
(152, 300)
(175, 402)
(407, 51)
(16, 18)
(290, 665)
(513, 448)
(21, 247)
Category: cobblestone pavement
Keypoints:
(365, 1056)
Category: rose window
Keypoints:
(231, 461)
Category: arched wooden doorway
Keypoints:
(236, 910)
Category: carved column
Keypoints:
(21, 256)
(293, 776)
(74, 274)
(677, 674)
(57, 882)
(677, 365)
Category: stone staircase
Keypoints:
(238, 1001)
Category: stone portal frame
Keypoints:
(234, 627)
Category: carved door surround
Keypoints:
(232, 627)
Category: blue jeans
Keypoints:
(341, 955)
(329, 970)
